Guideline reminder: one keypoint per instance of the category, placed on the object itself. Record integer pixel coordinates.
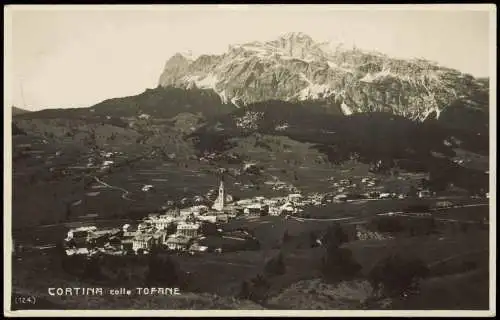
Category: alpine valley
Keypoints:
(288, 116)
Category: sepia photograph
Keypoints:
(250, 160)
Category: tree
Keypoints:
(245, 290)
(171, 228)
(286, 237)
(208, 229)
(256, 290)
(276, 265)
(335, 236)
(92, 269)
(68, 211)
(395, 275)
(313, 239)
(162, 271)
(338, 264)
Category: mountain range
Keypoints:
(294, 68)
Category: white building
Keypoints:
(147, 187)
(142, 241)
(197, 248)
(77, 251)
(200, 209)
(255, 208)
(177, 242)
(188, 229)
(295, 197)
(274, 211)
(82, 232)
(288, 207)
(424, 194)
(245, 202)
(161, 222)
(340, 197)
(210, 218)
(224, 218)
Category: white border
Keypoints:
(162, 313)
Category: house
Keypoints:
(424, 194)
(142, 241)
(162, 222)
(274, 211)
(144, 226)
(340, 197)
(114, 242)
(198, 199)
(188, 229)
(77, 251)
(199, 209)
(253, 209)
(127, 244)
(373, 194)
(212, 219)
(224, 218)
(444, 204)
(177, 242)
(184, 213)
(101, 237)
(197, 248)
(80, 233)
(294, 197)
(260, 199)
(159, 237)
(245, 202)
(173, 213)
(288, 207)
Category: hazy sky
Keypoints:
(67, 57)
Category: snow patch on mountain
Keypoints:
(296, 67)
(207, 82)
(335, 66)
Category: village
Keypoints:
(198, 228)
(190, 229)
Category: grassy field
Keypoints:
(41, 216)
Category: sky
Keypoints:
(66, 56)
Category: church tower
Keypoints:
(221, 198)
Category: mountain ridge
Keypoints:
(294, 67)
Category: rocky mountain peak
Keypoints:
(295, 67)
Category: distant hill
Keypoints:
(17, 111)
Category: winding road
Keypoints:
(125, 192)
(400, 213)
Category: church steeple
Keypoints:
(221, 198)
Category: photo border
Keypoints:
(491, 8)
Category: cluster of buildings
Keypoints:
(345, 190)
(175, 229)
(181, 228)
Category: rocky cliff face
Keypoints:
(295, 67)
